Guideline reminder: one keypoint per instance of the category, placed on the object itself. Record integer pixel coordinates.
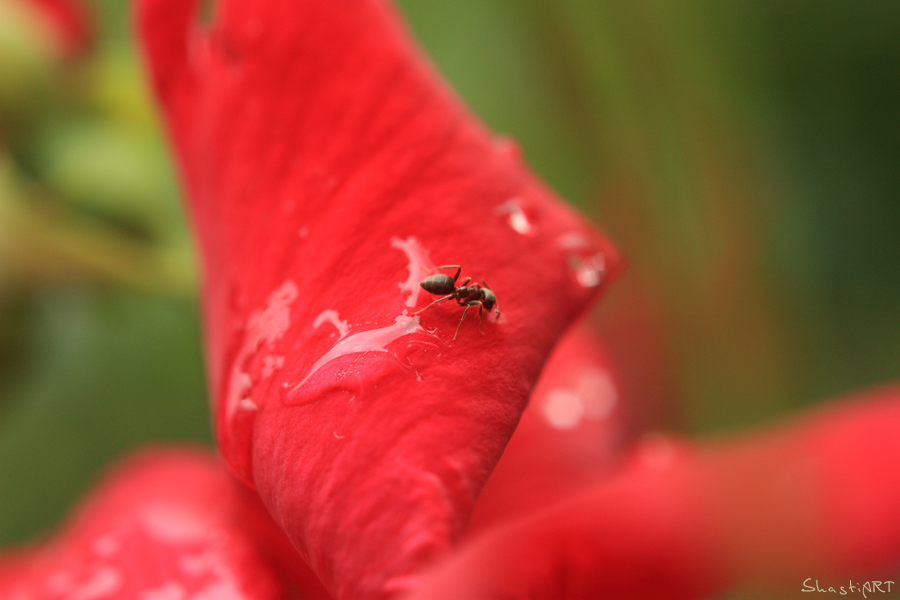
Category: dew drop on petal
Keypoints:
(220, 590)
(586, 263)
(521, 220)
(170, 590)
(263, 326)
(332, 316)
(174, 525)
(102, 584)
(271, 363)
(588, 270)
(247, 404)
(372, 340)
(223, 584)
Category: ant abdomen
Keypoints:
(438, 284)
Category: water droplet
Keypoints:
(271, 363)
(332, 316)
(174, 524)
(169, 590)
(520, 219)
(360, 375)
(247, 404)
(589, 270)
(104, 582)
(263, 326)
(244, 382)
(586, 263)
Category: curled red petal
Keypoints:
(571, 435)
(644, 534)
(814, 500)
(165, 525)
(327, 170)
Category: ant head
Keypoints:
(488, 298)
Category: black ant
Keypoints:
(465, 294)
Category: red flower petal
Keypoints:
(818, 499)
(327, 167)
(569, 437)
(167, 525)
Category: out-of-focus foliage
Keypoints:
(743, 154)
(99, 343)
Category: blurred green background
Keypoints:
(744, 156)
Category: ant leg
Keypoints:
(480, 312)
(457, 267)
(461, 321)
(465, 282)
(433, 303)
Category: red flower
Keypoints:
(167, 524)
(562, 516)
(325, 167)
(815, 500)
(328, 170)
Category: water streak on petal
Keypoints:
(420, 266)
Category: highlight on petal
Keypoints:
(165, 525)
(329, 171)
(817, 498)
